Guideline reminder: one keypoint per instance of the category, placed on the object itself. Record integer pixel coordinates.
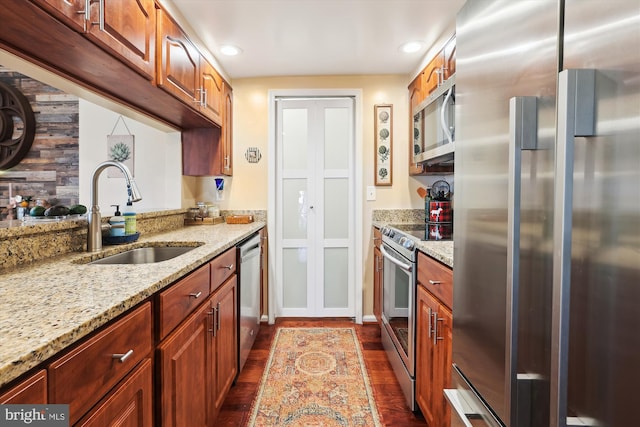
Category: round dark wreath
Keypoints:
(16, 118)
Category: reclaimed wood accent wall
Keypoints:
(51, 167)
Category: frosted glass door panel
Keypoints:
(294, 278)
(294, 208)
(336, 278)
(337, 138)
(336, 205)
(295, 139)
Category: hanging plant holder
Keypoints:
(17, 126)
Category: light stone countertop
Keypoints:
(440, 250)
(48, 305)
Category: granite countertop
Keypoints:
(48, 305)
(441, 250)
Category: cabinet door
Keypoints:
(432, 75)
(227, 132)
(127, 29)
(426, 356)
(130, 404)
(30, 390)
(416, 96)
(85, 374)
(450, 58)
(442, 371)
(378, 262)
(264, 272)
(71, 12)
(212, 96)
(186, 373)
(178, 61)
(226, 340)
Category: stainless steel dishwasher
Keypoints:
(249, 296)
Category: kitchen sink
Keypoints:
(145, 255)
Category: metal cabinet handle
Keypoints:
(430, 317)
(195, 295)
(576, 114)
(228, 267)
(434, 322)
(434, 282)
(100, 22)
(212, 313)
(438, 338)
(122, 357)
(218, 315)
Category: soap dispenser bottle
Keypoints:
(117, 223)
(129, 219)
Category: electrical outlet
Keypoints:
(371, 192)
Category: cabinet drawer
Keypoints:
(88, 372)
(176, 303)
(222, 268)
(30, 390)
(436, 278)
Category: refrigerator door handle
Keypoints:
(523, 135)
(576, 117)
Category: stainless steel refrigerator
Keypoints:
(546, 309)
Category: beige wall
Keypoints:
(247, 189)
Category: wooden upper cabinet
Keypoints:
(450, 58)
(178, 61)
(212, 96)
(416, 96)
(71, 12)
(432, 76)
(226, 152)
(127, 29)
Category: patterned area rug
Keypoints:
(315, 377)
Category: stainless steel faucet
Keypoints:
(94, 234)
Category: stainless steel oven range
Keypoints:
(398, 307)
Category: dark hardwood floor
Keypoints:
(392, 408)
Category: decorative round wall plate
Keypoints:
(17, 126)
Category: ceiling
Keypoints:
(318, 37)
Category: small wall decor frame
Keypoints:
(121, 148)
(383, 135)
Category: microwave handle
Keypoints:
(443, 119)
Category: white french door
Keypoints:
(315, 196)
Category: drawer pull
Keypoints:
(228, 267)
(195, 295)
(122, 357)
(435, 282)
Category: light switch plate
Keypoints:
(371, 192)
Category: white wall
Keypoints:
(157, 162)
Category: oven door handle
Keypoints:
(402, 265)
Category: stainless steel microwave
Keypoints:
(434, 126)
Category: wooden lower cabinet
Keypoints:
(198, 361)
(378, 262)
(130, 403)
(30, 390)
(433, 357)
(225, 341)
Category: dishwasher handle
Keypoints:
(251, 253)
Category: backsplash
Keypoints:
(51, 167)
(398, 215)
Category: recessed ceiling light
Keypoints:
(411, 47)
(230, 50)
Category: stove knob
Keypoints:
(402, 241)
(408, 243)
